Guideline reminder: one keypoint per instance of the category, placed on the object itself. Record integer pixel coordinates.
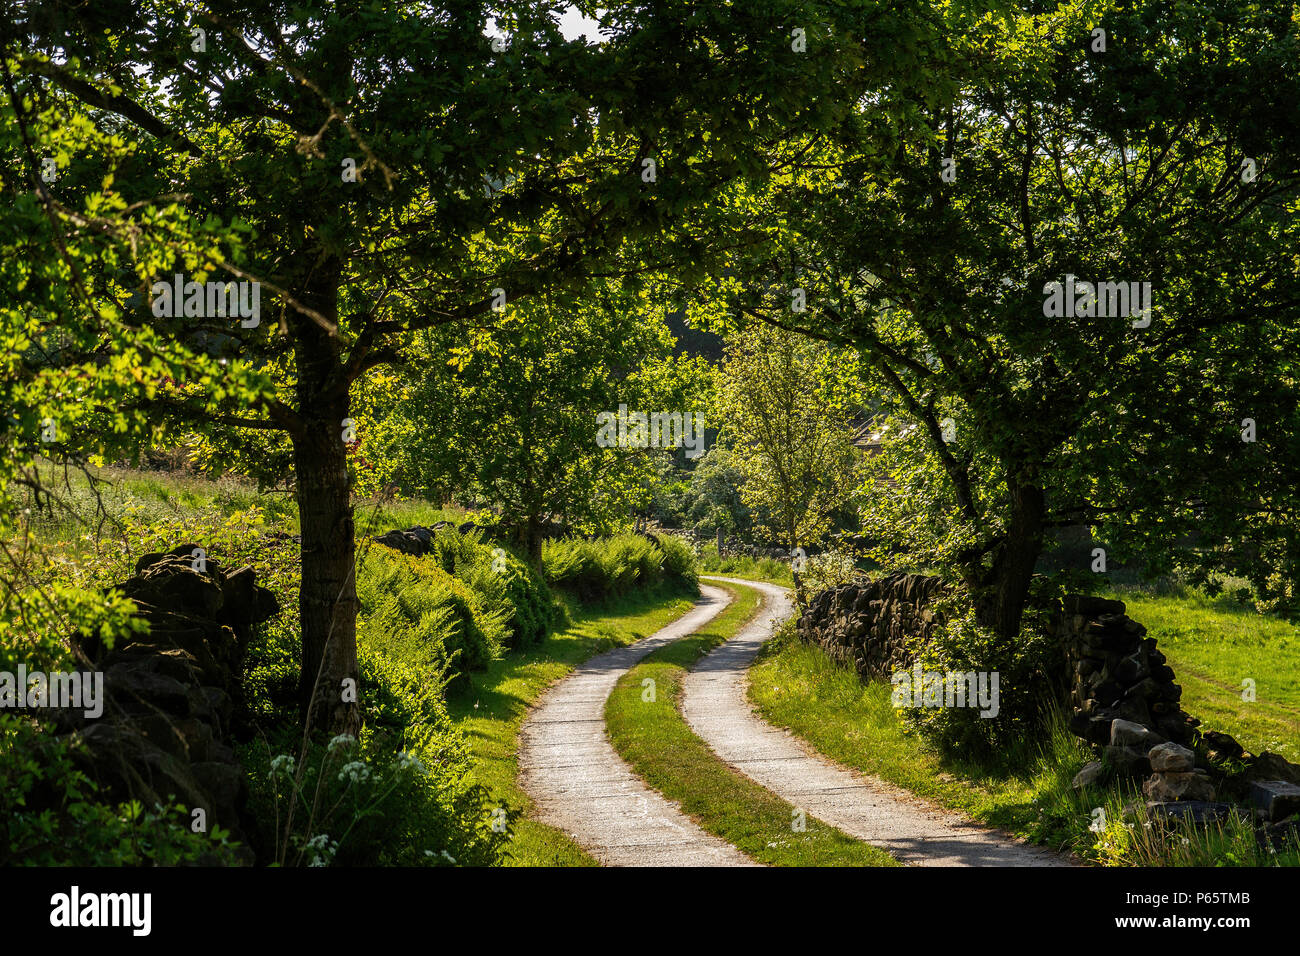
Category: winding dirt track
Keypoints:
(581, 786)
(716, 706)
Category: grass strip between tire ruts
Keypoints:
(648, 731)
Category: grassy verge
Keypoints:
(801, 688)
(1214, 646)
(752, 569)
(491, 713)
(656, 741)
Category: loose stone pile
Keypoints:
(1175, 775)
(416, 540)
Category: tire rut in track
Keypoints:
(580, 785)
(716, 705)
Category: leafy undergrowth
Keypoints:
(1027, 793)
(490, 713)
(742, 566)
(409, 791)
(652, 736)
(610, 567)
(52, 814)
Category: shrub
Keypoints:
(415, 611)
(609, 567)
(521, 593)
(629, 561)
(827, 570)
(433, 815)
(456, 552)
(51, 813)
(571, 563)
(399, 796)
(960, 645)
(504, 582)
(679, 561)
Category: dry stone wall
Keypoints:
(869, 625)
(1122, 698)
(174, 690)
(1118, 674)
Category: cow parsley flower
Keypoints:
(342, 740)
(355, 772)
(323, 849)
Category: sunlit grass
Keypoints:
(1028, 793)
(491, 713)
(799, 687)
(743, 566)
(1214, 646)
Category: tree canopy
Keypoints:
(378, 170)
(1110, 150)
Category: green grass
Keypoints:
(1029, 794)
(659, 745)
(751, 569)
(123, 496)
(1134, 839)
(491, 713)
(1214, 645)
(800, 688)
(153, 495)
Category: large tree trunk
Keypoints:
(1001, 604)
(532, 543)
(328, 597)
(329, 681)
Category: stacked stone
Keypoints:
(1119, 674)
(1175, 776)
(1128, 751)
(874, 626)
(174, 691)
(417, 540)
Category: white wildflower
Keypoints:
(407, 760)
(355, 772)
(323, 849)
(342, 740)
